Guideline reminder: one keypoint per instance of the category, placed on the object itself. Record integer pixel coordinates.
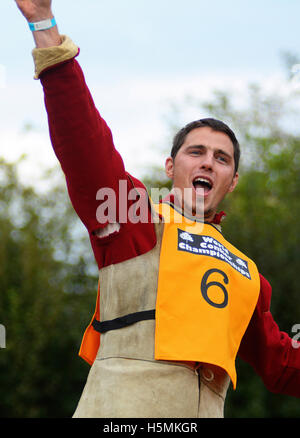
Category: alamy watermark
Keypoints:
(2, 336)
(296, 337)
(131, 206)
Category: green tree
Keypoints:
(47, 294)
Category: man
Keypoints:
(176, 302)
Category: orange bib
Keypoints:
(207, 292)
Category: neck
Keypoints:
(209, 216)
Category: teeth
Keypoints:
(202, 180)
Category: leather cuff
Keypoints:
(50, 56)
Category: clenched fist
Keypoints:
(35, 10)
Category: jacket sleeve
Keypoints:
(272, 353)
(81, 139)
(84, 146)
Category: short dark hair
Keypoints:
(215, 125)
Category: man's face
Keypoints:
(205, 165)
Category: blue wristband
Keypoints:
(42, 25)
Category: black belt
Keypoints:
(123, 321)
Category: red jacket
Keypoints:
(84, 146)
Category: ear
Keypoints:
(234, 182)
(169, 167)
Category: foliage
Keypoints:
(47, 296)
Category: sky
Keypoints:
(138, 58)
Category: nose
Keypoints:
(207, 161)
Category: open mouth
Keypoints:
(202, 185)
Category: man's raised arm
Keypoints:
(81, 139)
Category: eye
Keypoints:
(222, 158)
(195, 152)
